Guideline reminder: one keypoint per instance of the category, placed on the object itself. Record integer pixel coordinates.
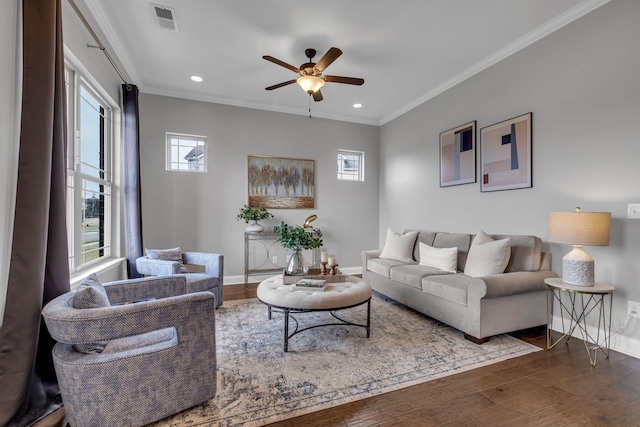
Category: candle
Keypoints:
(324, 256)
(332, 259)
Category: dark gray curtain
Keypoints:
(39, 268)
(132, 197)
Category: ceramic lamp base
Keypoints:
(578, 268)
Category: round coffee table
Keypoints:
(337, 296)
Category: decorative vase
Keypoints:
(296, 265)
(254, 227)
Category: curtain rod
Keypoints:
(97, 40)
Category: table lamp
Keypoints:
(579, 229)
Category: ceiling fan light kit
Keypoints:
(310, 84)
(311, 79)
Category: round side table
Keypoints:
(579, 302)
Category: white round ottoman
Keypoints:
(337, 296)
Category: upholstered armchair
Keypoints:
(174, 261)
(122, 363)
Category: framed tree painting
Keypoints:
(458, 155)
(505, 154)
(281, 183)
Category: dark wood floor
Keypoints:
(547, 388)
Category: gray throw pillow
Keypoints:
(91, 294)
(173, 254)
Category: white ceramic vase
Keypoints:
(255, 227)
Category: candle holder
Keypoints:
(334, 270)
(323, 269)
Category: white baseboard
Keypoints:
(238, 280)
(619, 343)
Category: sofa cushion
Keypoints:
(425, 237)
(445, 259)
(526, 252)
(452, 287)
(399, 246)
(383, 266)
(487, 256)
(412, 274)
(450, 240)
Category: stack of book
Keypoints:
(312, 285)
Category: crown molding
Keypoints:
(542, 31)
(120, 52)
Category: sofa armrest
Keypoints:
(157, 267)
(157, 287)
(213, 263)
(365, 256)
(505, 284)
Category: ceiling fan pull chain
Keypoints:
(309, 105)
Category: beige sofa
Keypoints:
(478, 306)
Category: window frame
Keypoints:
(359, 176)
(184, 136)
(78, 79)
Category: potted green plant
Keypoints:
(298, 238)
(252, 215)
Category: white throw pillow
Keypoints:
(487, 256)
(445, 259)
(399, 246)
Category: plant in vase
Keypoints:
(253, 215)
(297, 238)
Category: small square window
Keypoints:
(350, 165)
(186, 153)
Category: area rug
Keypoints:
(259, 384)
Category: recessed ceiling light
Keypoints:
(196, 78)
(357, 105)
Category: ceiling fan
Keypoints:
(311, 79)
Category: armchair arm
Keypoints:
(365, 256)
(157, 267)
(187, 313)
(213, 263)
(157, 287)
(505, 284)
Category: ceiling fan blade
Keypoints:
(281, 63)
(317, 96)
(331, 55)
(280, 85)
(345, 80)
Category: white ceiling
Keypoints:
(407, 51)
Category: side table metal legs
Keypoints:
(577, 308)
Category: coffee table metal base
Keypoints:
(341, 322)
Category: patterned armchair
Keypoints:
(174, 261)
(122, 363)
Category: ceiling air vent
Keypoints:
(165, 17)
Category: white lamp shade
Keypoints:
(580, 228)
(310, 84)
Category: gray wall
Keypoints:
(197, 211)
(581, 83)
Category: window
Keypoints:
(186, 153)
(350, 165)
(89, 177)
